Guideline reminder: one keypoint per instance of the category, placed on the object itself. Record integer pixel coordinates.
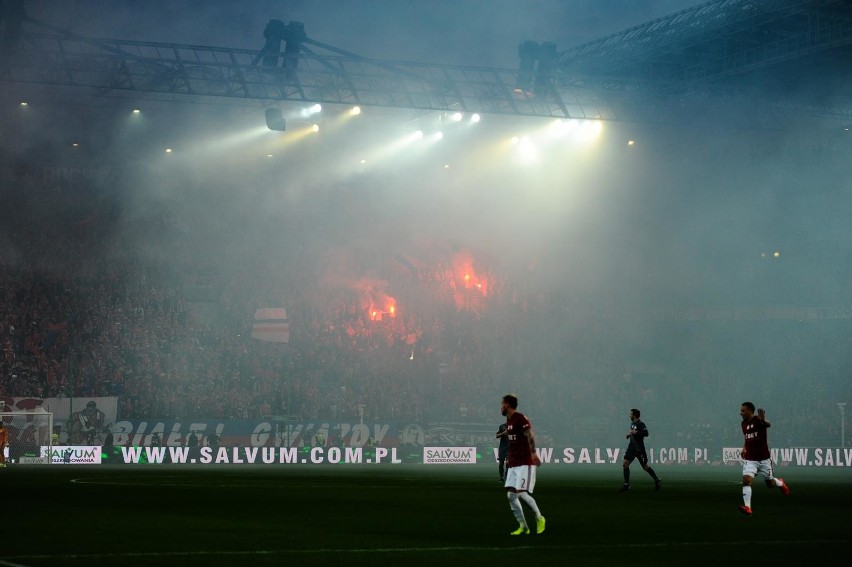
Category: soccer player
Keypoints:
(522, 462)
(755, 454)
(636, 450)
(4, 442)
(502, 451)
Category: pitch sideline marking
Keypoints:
(417, 549)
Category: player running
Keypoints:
(636, 450)
(755, 454)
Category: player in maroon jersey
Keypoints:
(755, 454)
(4, 442)
(522, 462)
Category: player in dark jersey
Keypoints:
(755, 454)
(502, 451)
(522, 462)
(636, 450)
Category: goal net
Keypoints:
(29, 431)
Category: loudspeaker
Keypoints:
(274, 120)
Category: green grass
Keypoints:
(411, 515)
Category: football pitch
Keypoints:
(411, 515)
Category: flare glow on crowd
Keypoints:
(428, 263)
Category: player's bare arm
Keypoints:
(531, 439)
(761, 415)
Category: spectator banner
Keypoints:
(284, 433)
(79, 421)
(259, 433)
(271, 325)
(83, 421)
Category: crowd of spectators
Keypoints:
(157, 309)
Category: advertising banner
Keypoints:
(72, 454)
(258, 456)
(449, 455)
(731, 455)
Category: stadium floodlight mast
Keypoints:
(842, 407)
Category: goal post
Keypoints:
(29, 431)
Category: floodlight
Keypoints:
(275, 120)
(527, 52)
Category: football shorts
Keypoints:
(522, 478)
(763, 468)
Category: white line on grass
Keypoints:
(344, 551)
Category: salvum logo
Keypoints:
(73, 454)
(449, 455)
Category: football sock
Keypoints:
(517, 510)
(747, 496)
(626, 475)
(527, 499)
(652, 473)
(778, 482)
